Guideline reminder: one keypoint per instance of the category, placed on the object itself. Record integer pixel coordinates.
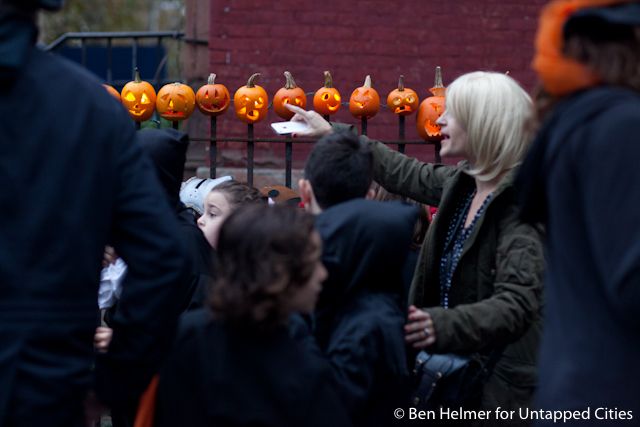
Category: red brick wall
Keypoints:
(357, 37)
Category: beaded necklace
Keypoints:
(454, 242)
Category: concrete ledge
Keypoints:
(261, 177)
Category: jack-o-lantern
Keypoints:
(430, 110)
(402, 101)
(213, 98)
(112, 91)
(289, 94)
(176, 101)
(139, 98)
(251, 101)
(364, 101)
(326, 100)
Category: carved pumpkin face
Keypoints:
(430, 110)
(364, 101)
(402, 101)
(326, 100)
(289, 94)
(251, 101)
(112, 91)
(139, 98)
(175, 102)
(213, 99)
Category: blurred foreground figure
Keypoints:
(581, 180)
(73, 179)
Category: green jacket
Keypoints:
(496, 293)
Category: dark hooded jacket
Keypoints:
(581, 179)
(361, 311)
(73, 179)
(167, 149)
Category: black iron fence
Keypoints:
(288, 142)
(133, 40)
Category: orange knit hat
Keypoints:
(561, 75)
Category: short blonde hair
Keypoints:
(494, 110)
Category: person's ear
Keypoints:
(306, 193)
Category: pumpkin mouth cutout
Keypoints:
(403, 109)
(211, 106)
(432, 129)
(330, 105)
(136, 111)
(173, 113)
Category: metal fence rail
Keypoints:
(136, 37)
(250, 140)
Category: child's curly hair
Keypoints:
(264, 254)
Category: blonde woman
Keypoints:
(477, 286)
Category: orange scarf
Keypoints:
(561, 75)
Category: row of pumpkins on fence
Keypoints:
(176, 101)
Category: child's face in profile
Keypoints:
(305, 298)
(216, 209)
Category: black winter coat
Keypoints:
(220, 375)
(73, 179)
(582, 180)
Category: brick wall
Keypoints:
(358, 37)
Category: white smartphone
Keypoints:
(284, 128)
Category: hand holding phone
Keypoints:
(285, 128)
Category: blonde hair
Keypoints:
(495, 111)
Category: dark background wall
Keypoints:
(353, 38)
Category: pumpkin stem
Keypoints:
(252, 80)
(212, 79)
(438, 89)
(136, 75)
(401, 83)
(290, 83)
(438, 81)
(328, 81)
(367, 81)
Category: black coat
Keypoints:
(362, 310)
(73, 178)
(582, 180)
(167, 149)
(218, 375)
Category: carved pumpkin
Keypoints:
(176, 101)
(402, 101)
(364, 101)
(430, 110)
(289, 94)
(112, 91)
(213, 98)
(251, 101)
(139, 98)
(326, 100)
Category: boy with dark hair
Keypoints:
(339, 168)
(359, 319)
